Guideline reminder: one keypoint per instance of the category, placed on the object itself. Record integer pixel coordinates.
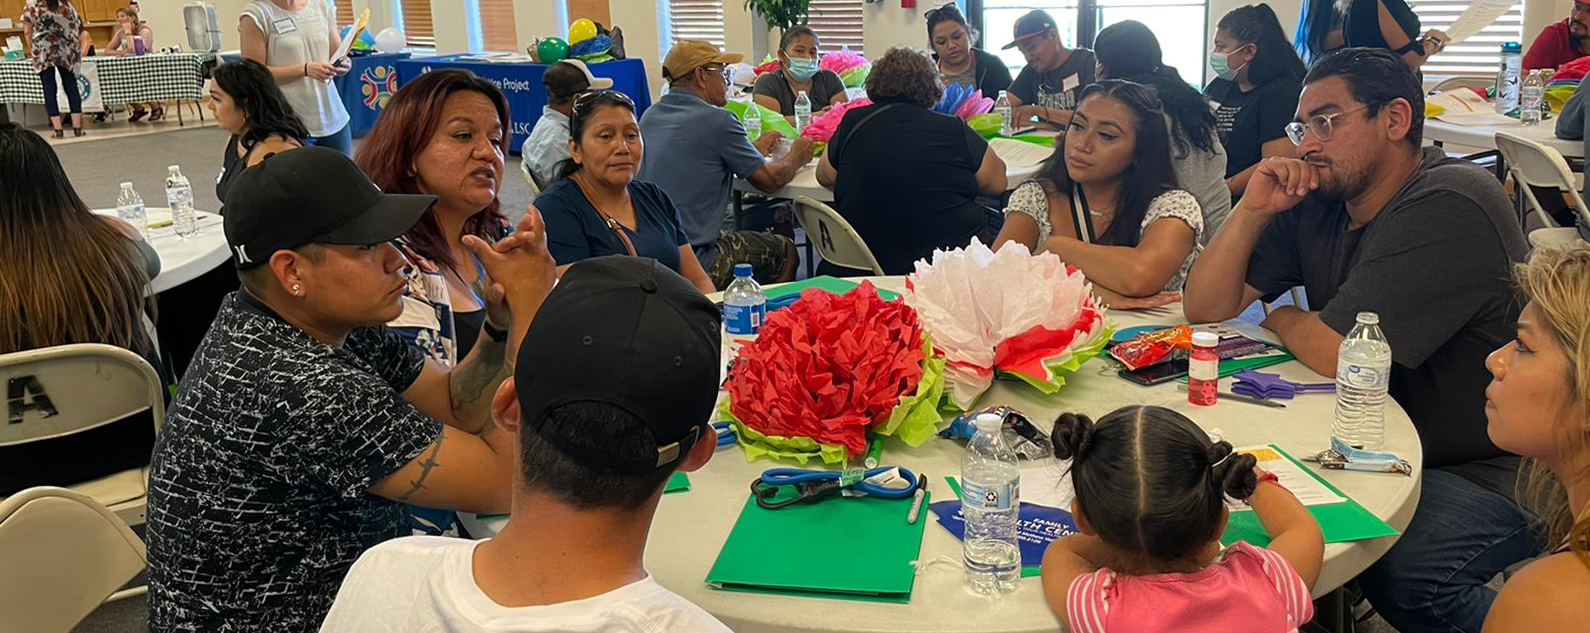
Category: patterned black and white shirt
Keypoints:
(258, 500)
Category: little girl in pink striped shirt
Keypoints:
(1150, 505)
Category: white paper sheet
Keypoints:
(1048, 484)
(1304, 486)
(1480, 14)
(1019, 153)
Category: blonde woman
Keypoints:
(1538, 405)
(122, 43)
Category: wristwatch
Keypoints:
(495, 334)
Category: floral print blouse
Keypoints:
(57, 35)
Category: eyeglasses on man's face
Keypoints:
(1320, 125)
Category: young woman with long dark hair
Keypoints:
(954, 44)
(1259, 78)
(1128, 50)
(1107, 201)
(247, 102)
(70, 277)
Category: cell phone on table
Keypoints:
(1156, 374)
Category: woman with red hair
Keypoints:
(445, 134)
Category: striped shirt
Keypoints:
(1248, 589)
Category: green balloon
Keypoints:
(552, 49)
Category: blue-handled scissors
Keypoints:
(811, 485)
(726, 435)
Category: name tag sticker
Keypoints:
(285, 26)
(1070, 83)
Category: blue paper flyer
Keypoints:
(1036, 527)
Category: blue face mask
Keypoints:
(802, 69)
(1219, 63)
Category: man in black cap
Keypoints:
(612, 394)
(1048, 89)
(548, 143)
(303, 425)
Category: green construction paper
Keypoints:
(832, 284)
(1231, 366)
(1028, 571)
(955, 486)
(1340, 522)
(1036, 139)
(849, 548)
(678, 482)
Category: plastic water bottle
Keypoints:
(744, 308)
(803, 111)
(1507, 77)
(753, 120)
(179, 196)
(130, 208)
(1363, 374)
(990, 502)
(1003, 109)
(1533, 90)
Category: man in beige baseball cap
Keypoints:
(688, 55)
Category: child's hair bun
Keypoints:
(1071, 434)
(1233, 474)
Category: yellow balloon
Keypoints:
(581, 29)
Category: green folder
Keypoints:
(678, 482)
(832, 284)
(854, 548)
(1340, 522)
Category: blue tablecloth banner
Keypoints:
(521, 82)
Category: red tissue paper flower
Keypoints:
(829, 367)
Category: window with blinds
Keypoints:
(497, 31)
(1478, 55)
(417, 24)
(837, 23)
(695, 20)
(344, 12)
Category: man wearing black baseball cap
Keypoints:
(1048, 89)
(303, 424)
(612, 394)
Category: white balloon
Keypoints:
(390, 40)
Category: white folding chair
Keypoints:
(58, 391)
(529, 179)
(1535, 165)
(1297, 300)
(65, 555)
(836, 241)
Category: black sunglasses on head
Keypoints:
(609, 97)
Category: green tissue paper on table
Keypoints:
(771, 120)
(1340, 522)
(831, 284)
(850, 548)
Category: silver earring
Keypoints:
(295, 290)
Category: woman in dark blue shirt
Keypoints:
(597, 207)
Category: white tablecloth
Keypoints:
(1484, 136)
(183, 260)
(805, 182)
(691, 527)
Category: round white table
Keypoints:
(1484, 136)
(182, 260)
(691, 527)
(805, 182)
